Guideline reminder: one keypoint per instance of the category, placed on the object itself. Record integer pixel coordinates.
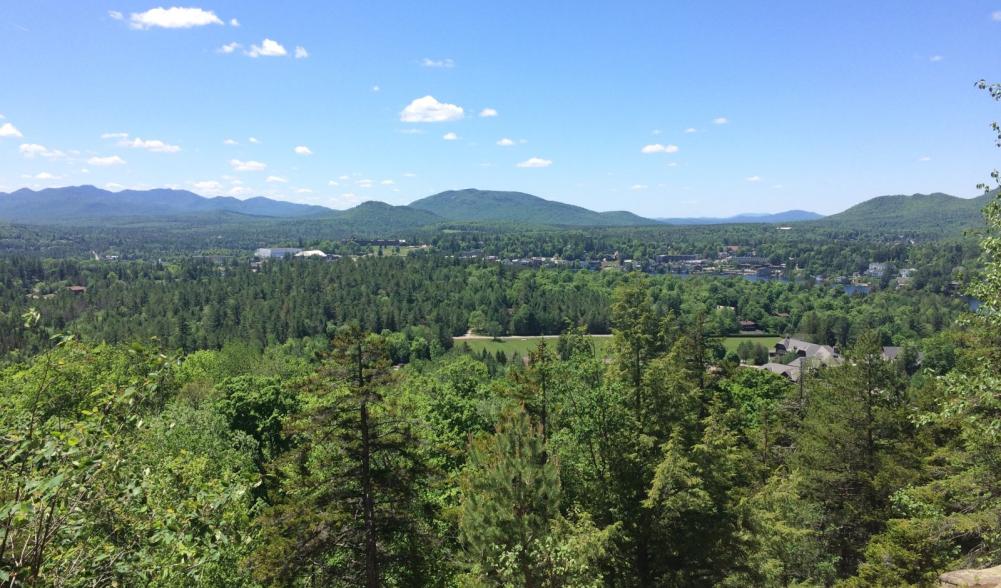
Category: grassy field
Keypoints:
(522, 345)
(731, 343)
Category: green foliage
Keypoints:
(511, 528)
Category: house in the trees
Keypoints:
(823, 354)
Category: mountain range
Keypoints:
(789, 216)
(88, 205)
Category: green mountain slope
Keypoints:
(918, 213)
(375, 216)
(473, 205)
(91, 205)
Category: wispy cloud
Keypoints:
(9, 130)
(229, 48)
(276, 180)
(936, 58)
(300, 52)
(267, 48)
(505, 142)
(428, 109)
(207, 186)
(488, 113)
(753, 178)
(106, 161)
(691, 130)
(659, 148)
(238, 165)
(446, 63)
(720, 120)
(31, 150)
(450, 136)
(535, 162)
(154, 145)
(173, 18)
(302, 150)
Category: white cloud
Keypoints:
(658, 148)
(366, 183)
(230, 142)
(720, 120)
(333, 183)
(254, 140)
(115, 15)
(9, 130)
(488, 112)
(303, 191)
(935, 58)
(276, 180)
(387, 182)
(300, 52)
(32, 149)
(446, 63)
(234, 23)
(238, 165)
(505, 142)
(45, 176)
(535, 162)
(267, 48)
(428, 109)
(113, 186)
(344, 178)
(753, 178)
(173, 18)
(302, 150)
(154, 145)
(409, 175)
(229, 47)
(106, 161)
(638, 187)
(376, 88)
(210, 186)
(450, 136)
(114, 135)
(691, 130)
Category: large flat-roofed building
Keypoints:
(276, 252)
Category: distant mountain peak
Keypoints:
(788, 216)
(88, 204)
(475, 205)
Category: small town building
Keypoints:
(276, 252)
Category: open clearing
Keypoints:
(522, 345)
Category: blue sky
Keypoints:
(662, 108)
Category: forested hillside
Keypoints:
(473, 205)
(306, 424)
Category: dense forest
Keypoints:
(306, 424)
